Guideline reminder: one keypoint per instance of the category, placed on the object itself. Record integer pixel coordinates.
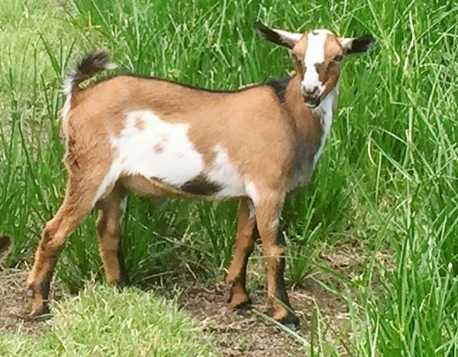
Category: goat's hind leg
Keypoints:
(75, 208)
(108, 227)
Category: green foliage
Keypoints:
(388, 176)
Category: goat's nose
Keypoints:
(310, 91)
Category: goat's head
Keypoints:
(318, 55)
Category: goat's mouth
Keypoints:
(312, 102)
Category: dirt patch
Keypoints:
(247, 332)
(14, 302)
(237, 333)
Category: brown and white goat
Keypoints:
(160, 138)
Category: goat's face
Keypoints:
(318, 55)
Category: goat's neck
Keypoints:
(312, 127)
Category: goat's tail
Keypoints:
(91, 64)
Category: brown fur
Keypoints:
(329, 70)
(267, 140)
(244, 245)
(108, 227)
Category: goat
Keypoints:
(155, 137)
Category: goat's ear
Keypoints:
(354, 46)
(279, 37)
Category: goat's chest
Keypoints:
(310, 145)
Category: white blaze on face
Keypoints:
(314, 55)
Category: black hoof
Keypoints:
(290, 321)
(40, 314)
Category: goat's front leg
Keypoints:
(267, 215)
(244, 244)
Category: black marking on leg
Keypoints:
(280, 239)
(123, 276)
(201, 186)
(290, 320)
(44, 286)
(279, 87)
(280, 292)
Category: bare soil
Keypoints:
(236, 333)
(14, 303)
(247, 332)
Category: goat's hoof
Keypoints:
(239, 301)
(290, 321)
(243, 305)
(39, 306)
(39, 312)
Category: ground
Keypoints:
(236, 333)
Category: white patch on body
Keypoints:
(314, 55)
(251, 191)
(109, 180)
(176, 163)
(251, 209)
(226, 175)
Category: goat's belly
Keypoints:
(195, 189)
(183, 171)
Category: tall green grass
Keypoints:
(388, 176)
